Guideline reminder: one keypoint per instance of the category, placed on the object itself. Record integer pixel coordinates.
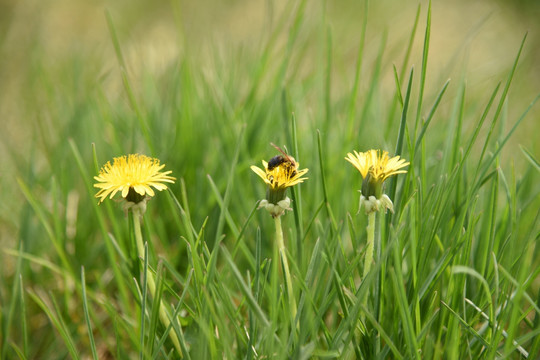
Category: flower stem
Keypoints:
(285, 262)
(370, 243)
(368, 259)
(151, 282)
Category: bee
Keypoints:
(275, 162)
(283, 160)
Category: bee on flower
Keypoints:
(279, 173)
(376, 166)
(132, 176)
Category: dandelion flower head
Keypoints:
(133, 176)
(376, 166)
(281, 176)
(280, 173)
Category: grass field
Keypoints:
(206, 87)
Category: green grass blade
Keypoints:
(40, 212)
(16, 291)
(505, 139)
(297, 199)
(403, 306)
(323, 182)
(52, 313)
(423, 71)
(154, 312)
(468, 327)
(387, 339)
(529, 156)
(502, 100)
(144, 297)
(24, 323)
(87, 315)
(245, 290)
(223, 206)
(230, 182)
(430, 116)
(399, 143)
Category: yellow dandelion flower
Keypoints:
(279, 173)
(377, 163)
(133, 176)
(281, 176)
(376, 166)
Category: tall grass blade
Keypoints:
(87, 315)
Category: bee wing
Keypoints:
(289, 158)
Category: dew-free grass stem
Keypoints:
(368, 258)
(285, 262)
(150, 279)
(370, 243)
